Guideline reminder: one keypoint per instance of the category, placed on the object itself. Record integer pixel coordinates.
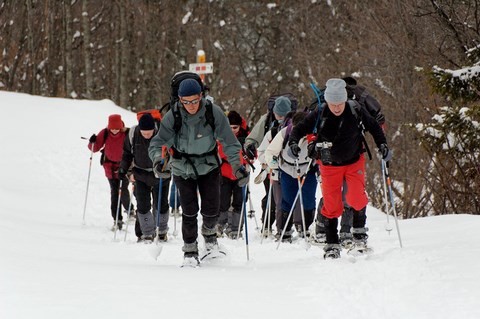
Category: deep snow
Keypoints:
(52, 266)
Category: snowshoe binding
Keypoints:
(212, 250)
(360, 246)
(190, 260)
(332, 251)
(346, 240)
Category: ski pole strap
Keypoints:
(317, 92)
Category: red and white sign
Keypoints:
(201, 68)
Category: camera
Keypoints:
(323, 149)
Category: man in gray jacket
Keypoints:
(195, 162)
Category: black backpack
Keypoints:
(360, 94)
(172, 105)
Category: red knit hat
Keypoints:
(115, 122)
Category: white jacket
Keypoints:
(277, 157)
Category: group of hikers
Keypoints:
(203, 152)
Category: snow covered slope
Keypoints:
(53, 267)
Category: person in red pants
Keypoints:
(339, 146)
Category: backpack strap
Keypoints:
(209, 114)
(354, 108)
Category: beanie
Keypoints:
(335, 91)
(115, 122)
(146, 122)
(189, 87)
(234, 118)
(282, 106)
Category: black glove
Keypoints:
(312, 150)
(251, 151)
(160, 168)
(385, 152)
(92, 139)
(242, 175)
(293, 149)
(122, 173)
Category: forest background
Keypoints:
(419, 58)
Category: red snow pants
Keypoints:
(332, 183)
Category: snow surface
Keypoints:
(52, 266)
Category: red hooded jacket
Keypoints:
(112, 145)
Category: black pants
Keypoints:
(209, 188)
(231, 195)
(124, 197)
(144, 193)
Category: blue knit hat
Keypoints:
(189, 87)
(282, 106)
(336, 91)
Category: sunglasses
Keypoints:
(234, 127)
(185, 102)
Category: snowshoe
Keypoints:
(346, 240)
(147, 239)
(332, 251)
(212, 250)
(190, 260)
(117, 226)
(318, 239)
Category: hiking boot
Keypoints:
(190, 259)
(267, 233)
(332, 251)
(360, 238)
(211, 242)
(360, 235)
(118, 225)
(287, 238)
(147, 239)
(219, 229)
(346, 240)
(234, 235)
(162, 237)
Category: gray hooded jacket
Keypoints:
(196, 137)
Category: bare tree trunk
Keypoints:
(89, 83)
(124, 56)
(68, 37)
(31, 48)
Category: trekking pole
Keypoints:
(175, 212)
(88, 183)
(118, 209)
(245, 220)
(288, 218)
(293, 205)
(128, 213)
(251, 212)
(388, 228)
(392, 203)
(266, 219)
(159, 203)
(302, 210)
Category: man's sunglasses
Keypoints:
(184, 102)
